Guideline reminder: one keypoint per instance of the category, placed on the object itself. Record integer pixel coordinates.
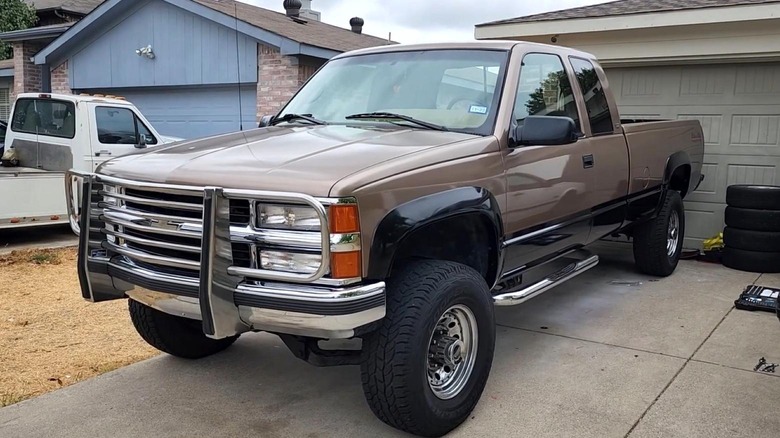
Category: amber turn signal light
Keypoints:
(345, 264)
(344, 218)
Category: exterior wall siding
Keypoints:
(279, 79)
(27, 76)
(189, 50)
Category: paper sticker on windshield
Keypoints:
(478, 109)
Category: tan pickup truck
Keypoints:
(400, 195)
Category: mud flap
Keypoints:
(96, 284)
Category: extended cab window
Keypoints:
(120, 126)
(54, 118)
(595, 99)
(544, 89)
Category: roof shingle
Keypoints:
(78, 6)
(626, 7)
(313, 33)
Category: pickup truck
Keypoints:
(400, 195)
(52, 133)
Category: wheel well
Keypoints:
(680, 180)
(469, 239)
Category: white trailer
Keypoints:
(53, 133)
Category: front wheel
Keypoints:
(658, 243)
(426, 366)
(175, 335)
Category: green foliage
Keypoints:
(14, 15)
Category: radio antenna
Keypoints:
(238, 69)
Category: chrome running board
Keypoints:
(570, 271)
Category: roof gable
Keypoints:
(626, 7)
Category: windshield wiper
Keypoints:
(292, 117)
(394, 116)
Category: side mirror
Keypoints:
(265, 121)
(546, 131)
(141, 142)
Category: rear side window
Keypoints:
(544, 89)
(120, 126)
(595, 99)
(54, 118)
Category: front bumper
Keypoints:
(226, 304)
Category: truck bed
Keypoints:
(653, 142)
(26, 171)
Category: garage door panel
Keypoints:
(738, 106)
(702, 221)
(195, 112)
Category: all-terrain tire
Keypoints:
(651, 253)
(394, 370)
(175, 335)
(754, 197)
(749, 240)
(751, 261)
(752, 219)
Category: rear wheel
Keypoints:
(658, 243)
(426, 366)
(175, 335)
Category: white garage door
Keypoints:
(739, 108)
(194, 112)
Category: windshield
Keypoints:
(456, 89)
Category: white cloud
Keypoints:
(416, 21)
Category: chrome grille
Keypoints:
(159, 229)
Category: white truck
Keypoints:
(50, 134)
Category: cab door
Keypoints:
(549, 188)
(116, 130)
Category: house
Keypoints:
(717, 61)
(193, 67)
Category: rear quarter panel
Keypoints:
(651, 144)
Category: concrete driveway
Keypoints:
(601, 356)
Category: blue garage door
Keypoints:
(194, 112)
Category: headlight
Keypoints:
(290, 261)
(287, 217)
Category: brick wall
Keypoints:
(27, 76)
(59, 79)
(279, 77)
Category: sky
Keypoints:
(417, 21)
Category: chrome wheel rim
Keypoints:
(673, 234)
(452, 352)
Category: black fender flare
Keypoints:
(409, 217)
(674, 162)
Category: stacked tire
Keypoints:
(752, 234)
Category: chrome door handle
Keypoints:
(102, 152)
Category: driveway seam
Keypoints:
(735, 368)
(544, 332)
(630, 431)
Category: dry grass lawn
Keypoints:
(49, 336)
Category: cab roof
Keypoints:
(114, 100)
(469, 45)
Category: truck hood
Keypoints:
(306, 160)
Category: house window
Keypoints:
(5, 104)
